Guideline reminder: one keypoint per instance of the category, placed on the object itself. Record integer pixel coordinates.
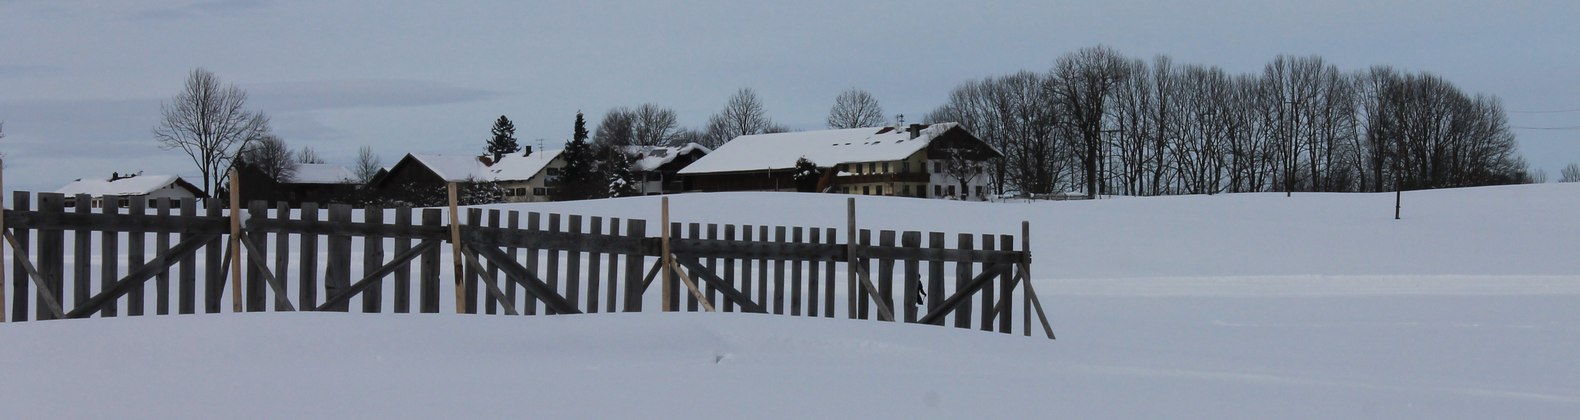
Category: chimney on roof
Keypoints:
(527, 151)
(915, 130)
(486, 160)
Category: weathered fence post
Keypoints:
(455, 250)
(235, 239)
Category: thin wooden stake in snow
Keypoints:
(1398, 197)
(455, 250)
(235, 237)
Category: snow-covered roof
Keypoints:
(825, 148)
(515, 167)
(511, 167)
(322, 173)
(136, 185)
(653, 157)
(453, 168)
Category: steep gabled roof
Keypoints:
(136, 185)
(515, 167)
(453, 168)
(825, 148)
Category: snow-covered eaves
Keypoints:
(825, 148)
(650, 158)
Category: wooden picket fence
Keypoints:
(70, 260)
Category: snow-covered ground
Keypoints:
(1234, 306)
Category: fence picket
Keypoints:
(214, 279)
(912, 275)
(282, 254)
(828, 272)
(795, 275)
(988, 291)
(372, 259)
(531, 305)
(885, 270)
(594, 265)
(428, 274)
(256, 289)
(338, 265)
(573, 263)
(82, 243)
(962, 276)
(512, 222)
(307, 273)
(135, 242)
(552, 278)
(635, 229)
(161, 245)
(186, 287)
(812, 286)
(402, 286)
(51, 254)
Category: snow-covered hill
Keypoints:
(1234, 306)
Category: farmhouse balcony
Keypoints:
(883, 178)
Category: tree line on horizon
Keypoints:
(1096, 122)
(1101, 123)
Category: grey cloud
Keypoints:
(340, 94)
(200, 9)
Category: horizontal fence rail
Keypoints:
(69, 260)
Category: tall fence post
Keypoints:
(664, 256)
(2, 229)
(235, 239)
(455, 249)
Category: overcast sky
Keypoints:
(81, 81)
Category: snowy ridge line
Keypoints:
(1318, 286)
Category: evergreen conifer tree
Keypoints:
(807, 175)
(579, 179)
(618, 177)
(504, 140)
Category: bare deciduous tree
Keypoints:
(855, 108)
(367, 165)
(271, 156)
(210, 123)
(646, 125)
(1083, 82)
(1570, 173)
(309, 156)
(743, 115)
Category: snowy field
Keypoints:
(1233, 306)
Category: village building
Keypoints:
(941, 160)
(125, 188)
(658, 167)
(522, 177)
(318, 183)
(529, 178)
